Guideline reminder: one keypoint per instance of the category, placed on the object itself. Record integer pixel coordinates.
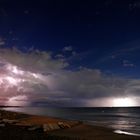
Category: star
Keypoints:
(26, 12)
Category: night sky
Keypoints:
(70, 52)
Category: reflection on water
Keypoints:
(126, 133)
(122, 123)
(124, 119)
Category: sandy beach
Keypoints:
(18, 126)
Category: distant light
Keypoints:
(123, 102)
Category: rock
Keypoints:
(49, 127)
(63, 125)
(34, 127)
(46, 127)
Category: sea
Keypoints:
(123, 120)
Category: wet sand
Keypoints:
(23, 129)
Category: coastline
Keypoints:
(19, 125)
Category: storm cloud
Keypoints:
(38, 78)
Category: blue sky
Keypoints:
(66, 39)
(95, 30)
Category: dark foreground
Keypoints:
(17, 126)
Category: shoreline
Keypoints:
(116, 131)
(54, 128)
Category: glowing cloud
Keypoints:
(20, 100)
(35, 78)
(123, 102)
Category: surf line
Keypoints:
(125, 133)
